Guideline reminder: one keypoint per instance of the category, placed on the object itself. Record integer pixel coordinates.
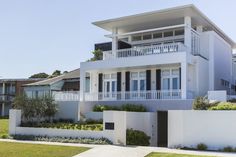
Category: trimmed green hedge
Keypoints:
(136, 137)
(224, 106)
(125, 107)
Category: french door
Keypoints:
(110, 88)
(170, 83)
(138, 85)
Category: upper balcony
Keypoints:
(172, 43)
(145, 50)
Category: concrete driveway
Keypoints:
(119, 151)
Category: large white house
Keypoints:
(170, 57)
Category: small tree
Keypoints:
(35, 107)
(97, 55)
(39, 75)
(51, 107)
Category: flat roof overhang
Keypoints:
(162, 18)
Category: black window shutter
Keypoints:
(127, 81)
(158, 79)
(148, 79)
(118, 81)
(100, 81)
(179, 78)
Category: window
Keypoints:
(147, 36)
(157, 35)
(87, 84)
(168, 34)
(136, 38)
(179, 32)
(225, 83)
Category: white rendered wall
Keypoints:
(202, 76)
(118, 135)
(220, 61)
(216, 129)
(68, 110)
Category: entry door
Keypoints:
(162, 128)
(110, 89)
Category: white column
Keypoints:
(114, 41)
(184, 79)
(3, 94)
(187, 33)
(82, 84)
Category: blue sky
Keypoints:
(44, 35)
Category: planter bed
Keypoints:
(60, 125)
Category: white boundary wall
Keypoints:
(143, 121)
(216, 129)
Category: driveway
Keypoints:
(119, 151)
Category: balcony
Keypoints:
(66, 95)
(6, 98)
(146, 50)
(134, 95)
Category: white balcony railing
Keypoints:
(66, 95)
(146, 50)
(134, 95)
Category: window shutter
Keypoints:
(127, 81)
(118, 81)
(148, 80)
(100, 82)
(158, 79)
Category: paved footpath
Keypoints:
(122, 151)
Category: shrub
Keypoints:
(201, 103)
(201, 146)
(4, 136)
(101, 108)
(136, 137)
(133, 108)
(228, 149)
(125, 107)
(63, 139)
(224, 106)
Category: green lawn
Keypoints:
(3, 126)
(172, 155)
(8, 149)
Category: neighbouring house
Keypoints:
(170, 57)
(9, 88)
(64, 88)
(61, 86)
